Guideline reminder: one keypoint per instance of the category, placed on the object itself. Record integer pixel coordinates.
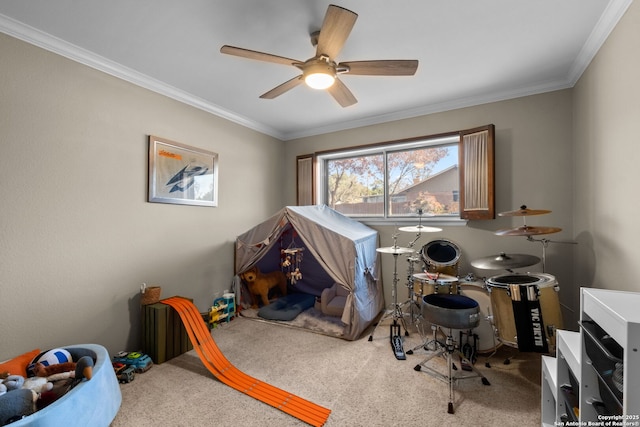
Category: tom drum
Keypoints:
(441, 256)
(526, 310)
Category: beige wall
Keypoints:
(77, 237)
(533, 167)
(606, 205)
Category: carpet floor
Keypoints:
(360, 381)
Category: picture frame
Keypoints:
(181, 174)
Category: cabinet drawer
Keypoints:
(603, 350)
(610, 399)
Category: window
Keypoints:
(392, 180)
(444, 176)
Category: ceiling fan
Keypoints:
(321, 71)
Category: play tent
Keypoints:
(329, 248)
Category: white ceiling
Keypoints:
(470, 52)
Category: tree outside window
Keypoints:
(395, 182)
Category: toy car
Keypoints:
(139, 361)
(126, 375)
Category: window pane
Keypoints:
(355, 185)
(423, 178)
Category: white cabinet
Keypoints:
(560, 380)
(611, 354)
(549, 392)
(596, 372)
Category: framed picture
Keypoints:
(181, 174)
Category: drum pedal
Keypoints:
(396, 342)
(465, 364)
(396, 345)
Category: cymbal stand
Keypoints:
(414, 306)
(394, 311)
(411, 302)
(545, 244)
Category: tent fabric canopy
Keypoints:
(341, 250)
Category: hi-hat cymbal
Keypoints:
(526, 230)
(524, 211)
(420, 229)
(504, 261)
(394, 250)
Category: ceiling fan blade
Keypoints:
(259, 56)
(284, 87)
(335, 29)
(342, 94)
(381, 68)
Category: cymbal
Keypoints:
(524, 211)
(504, 261)
(394, 250)
(420, 229)
(526, 230)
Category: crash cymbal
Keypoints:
(526, 230)
(395, 250)
(504, 261)
(524, 211)
(420, 229)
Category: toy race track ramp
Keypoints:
(223, 370)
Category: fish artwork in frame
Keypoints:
(181, 174)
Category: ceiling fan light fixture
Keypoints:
(321, 71)
(319, 74)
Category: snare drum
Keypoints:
(526, 310)
(441, 256)
(428, 283)
(486, 338)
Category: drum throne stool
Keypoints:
(450, 311)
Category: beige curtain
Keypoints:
(477, 199)
(476, 196)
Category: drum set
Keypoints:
(518, 310)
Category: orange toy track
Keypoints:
(223, 370)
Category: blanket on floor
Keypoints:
(287, 307)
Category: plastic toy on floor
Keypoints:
(139, 361)
(217, 314)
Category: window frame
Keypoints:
(319, 178)
(478, 170)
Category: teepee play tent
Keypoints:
(318, 247)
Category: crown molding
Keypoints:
(432, 109)
(58, 46)
(607, 22)
(609, 19)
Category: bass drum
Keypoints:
(441, 256)
(528, 302)
(487, 341)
